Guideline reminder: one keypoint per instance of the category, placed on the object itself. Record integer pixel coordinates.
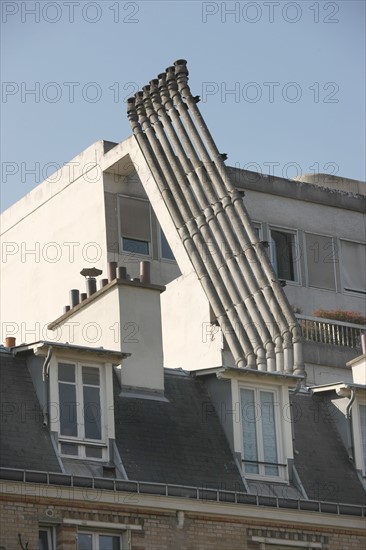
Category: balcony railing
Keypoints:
(331, 331)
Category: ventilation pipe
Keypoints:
(103, 283)
(191, 225)
(10, 342)
(208, 183)
(201, 207)
(112, 268)
(145, 272)
(261, 264)
(199, 188)
(91, 286)
(121, 272)
(186, 238)
(177, 180)
(74, 297)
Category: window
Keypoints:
(260, 434)
(79, 388)
(353, 266)
(320, 260)
(135, 227)
(362, 411)
(283, 248)
(99, 541)
(165, 250)
(45, 538)
(134, 246)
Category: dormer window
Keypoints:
(260, 432)
(81, 416)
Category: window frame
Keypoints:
(129, 253)
(123, 540)
(51, 539)
(335, 252)
(80, 440)
(160, 247)
(296, 252)
(360, 455)
(277, 404)
(348, 292)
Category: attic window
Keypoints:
(81, 418)
(261, 439)
(79, 393)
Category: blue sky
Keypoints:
(282, 83)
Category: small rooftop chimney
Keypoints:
(74, 297)
(145, 272)
(112, 267)
(91, 286)
(10, 342)
(363, 343)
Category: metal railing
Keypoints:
(205, 494)
(331, 331)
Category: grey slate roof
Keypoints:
(24, 442)
(173, 442)
(321, 459)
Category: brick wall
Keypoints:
(160, 530)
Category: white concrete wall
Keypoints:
(190, 341)
(141, 335)
(125, 318)
(129, 157)
(314, 218)
(63, 224)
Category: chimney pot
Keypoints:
(91, 286)
(10, 342)
(83, 296)
(121, 272)
(145, 272)
(74, 297)
(363, 343)
(66, 309)
(103, 282)
(112, 267)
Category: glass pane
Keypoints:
(353, 266)
(269, 432)
(135, 247)
(363, 432)
(320, 260)
(85, 541)
(249, 419)
(68, 414)
(282, 254)
(91, 376)
(109, 542)
(166, 251)
(44, 540)
(69, 449)
(92, 413)
(66, 372)
(93, 452)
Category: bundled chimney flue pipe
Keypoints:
(236, 274)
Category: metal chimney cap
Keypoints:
(90, 272)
